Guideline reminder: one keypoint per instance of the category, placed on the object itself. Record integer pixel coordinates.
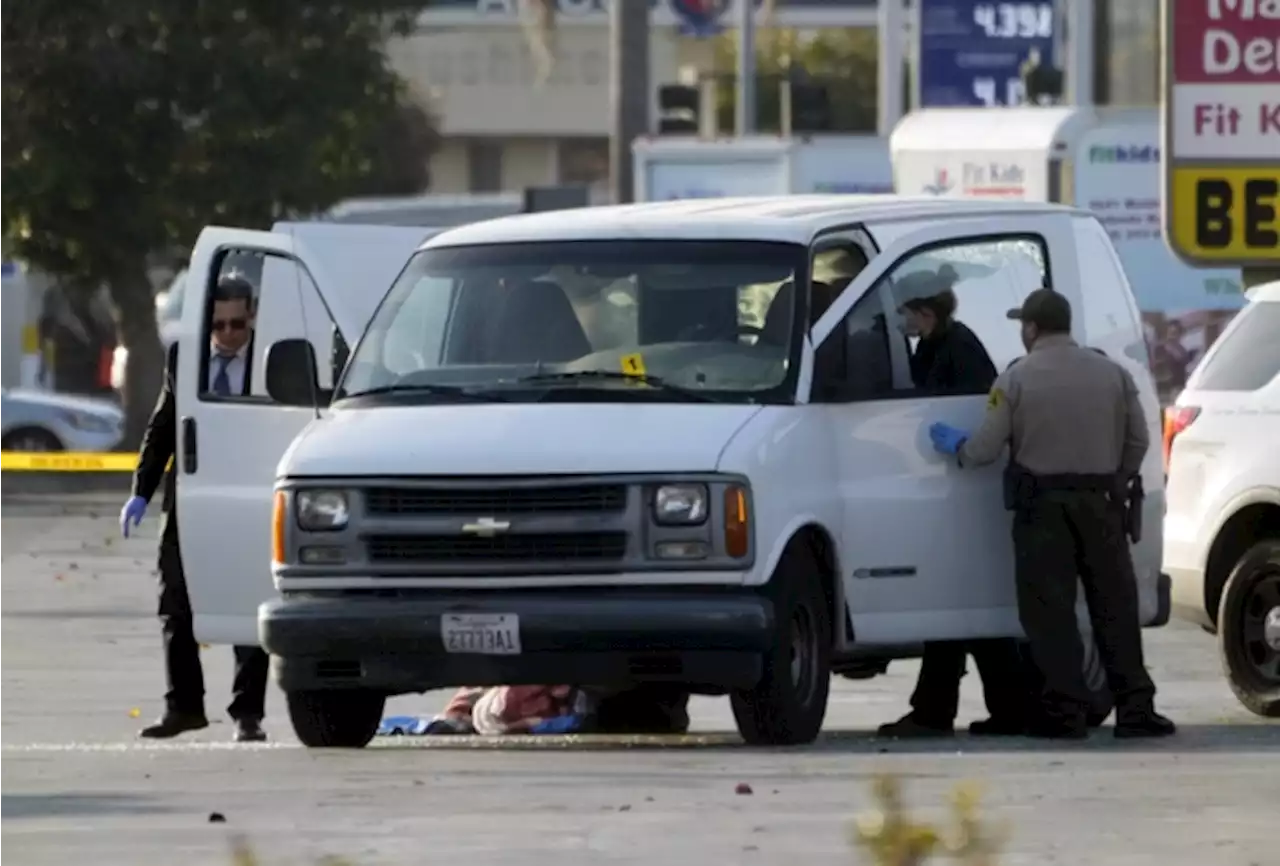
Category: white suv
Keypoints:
(1222, 529)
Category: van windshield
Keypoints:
(683, 320)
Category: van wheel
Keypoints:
(338, 719)
(787, 706)
(1249, 629)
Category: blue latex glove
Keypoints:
(947, 439)
(132, 514)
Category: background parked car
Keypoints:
(47, 421)
(1222, 524)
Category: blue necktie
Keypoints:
(221, 382)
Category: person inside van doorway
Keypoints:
(231, 335)
(950, 359)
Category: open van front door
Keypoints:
(231, 436)
(926, 552)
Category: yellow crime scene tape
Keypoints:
(66, 461)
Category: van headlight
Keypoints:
(321, 510)
(680, 504)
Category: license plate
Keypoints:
(489, 634)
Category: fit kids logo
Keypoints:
(700, 18)
(1124, 154)
(942, 183)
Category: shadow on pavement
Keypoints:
(65, 805)
(1246, 736)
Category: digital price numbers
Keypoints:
(989, 92)
(1015, 20)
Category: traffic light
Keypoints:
(810, 107)
(678, 109)
(1042, 84)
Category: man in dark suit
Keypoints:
(228, 375)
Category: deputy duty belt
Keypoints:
(1076, 481)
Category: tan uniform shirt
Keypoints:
(1063, 409)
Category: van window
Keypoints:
(699, 315)
(1247, 356)
(1108, 318)
(285, 304)
(965, 289)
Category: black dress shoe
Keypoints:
(250, 731)
(1143, 725)
(172, 724)
(909, 727)
(997, 728)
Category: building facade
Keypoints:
(504, 129)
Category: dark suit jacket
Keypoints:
(953, 361)
(160, 441)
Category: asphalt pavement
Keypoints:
(82, 671)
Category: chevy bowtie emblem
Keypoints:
(486, 527)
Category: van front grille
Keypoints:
(469, 549)
(495, 501)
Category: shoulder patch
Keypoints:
(995, 398)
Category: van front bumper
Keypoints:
(711, 641)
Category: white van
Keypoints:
(615, 445)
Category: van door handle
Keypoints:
(188, 445)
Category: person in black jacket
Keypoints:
(184, 698)
(950, 359)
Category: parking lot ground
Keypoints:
(81, 672)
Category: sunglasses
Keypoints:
(220, 325)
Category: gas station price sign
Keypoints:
(1222, 131)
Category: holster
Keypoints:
(1018, 486)
(1134, 499)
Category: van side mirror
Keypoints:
(291, 374)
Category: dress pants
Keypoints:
(1062, 536)
(184, 676)
(1004, 682)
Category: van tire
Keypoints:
(1251, 594)
(337, 719)
(787, 706)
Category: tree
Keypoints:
(844, 59)
(131, 124)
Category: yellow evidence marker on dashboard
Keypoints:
(633, 365)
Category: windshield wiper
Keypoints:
(459, 391)
(657, 382)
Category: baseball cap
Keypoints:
(919, 287)
(1046, 309)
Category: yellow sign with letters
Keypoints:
(1219, 215)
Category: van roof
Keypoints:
(788, 218)
(1269, 292)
